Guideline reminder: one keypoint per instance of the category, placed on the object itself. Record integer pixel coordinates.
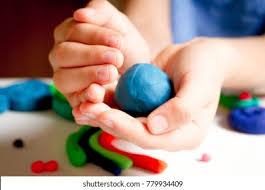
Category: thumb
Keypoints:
(182, 109)
(165, 56)
(102, 13)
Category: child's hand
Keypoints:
(180, 123)
(91, 50)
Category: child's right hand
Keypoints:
(91, 49)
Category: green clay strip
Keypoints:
(57, 93)
(62, 108)
(232, 101)
(122, 161)
(76, 155)
(228, 101)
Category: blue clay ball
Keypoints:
(142, 89)
(248, 120)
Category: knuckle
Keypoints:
(56, 32)
(111, 38)
(183, 113)
(61, 29)
(92, 53)
(73, 30)
(51, 58)
(196, 46)
(58, 52)
(57, 79)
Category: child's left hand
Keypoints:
(182, 122)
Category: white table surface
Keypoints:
(44, 134)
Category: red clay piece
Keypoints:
(245, 96)
(51, 166)
(141, 161)
(37, 166)
(205, 158)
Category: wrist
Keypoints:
(213, 54)
(226, 58)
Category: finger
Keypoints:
(76, 79)
(83, 120)
(72, 99)
(94, 35)
(62, 30)
(168, 116)
(72, 54)
(128, 128)
(188, 102)
(92, 110)
(87, 113)
(109, 94)
(124, 126)
(103, 13)
(94, 93)
(162, 59)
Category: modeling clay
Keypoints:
(143, 88)
(248, 120)
(141, 161)
(75, 153)
(95, 157)
(37, 166)
(18, 143)
(51, 166)
(122, 161)
(30, 95)
(4, 103)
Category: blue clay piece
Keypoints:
(248, 120)
(142, 89)
(30, 95)
(4, 103)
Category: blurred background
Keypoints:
(27, 34)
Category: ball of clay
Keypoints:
(248, 120)
(142, 89)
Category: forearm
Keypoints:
(152, 19)
(244, 59)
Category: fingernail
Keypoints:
(109, 56)
(113, 57)
(88, 96)
(102, 74)
(89, 12)
(114, 41)
(158, 124)
(107, 123)
(119, 60)
(90, 116)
